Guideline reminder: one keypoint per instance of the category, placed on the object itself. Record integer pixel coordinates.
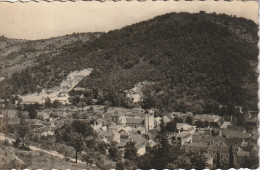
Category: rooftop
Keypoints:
(132, 120)
(235, 134)
(196, 144)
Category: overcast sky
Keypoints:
(40, 20)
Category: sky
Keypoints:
(40, 20)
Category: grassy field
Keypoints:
(15, 158)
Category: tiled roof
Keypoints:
(238, 128)
(183, 126)
(132, 120)
(209, 118)
(242, 153)
(225, 124)
(252, 120)
(183, 134)
(166, 119)
(235, 134)
(140, 145)
(196, 144)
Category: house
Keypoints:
(116, 137)
(236, 128)
(114, 128)
(204, 131)
(235, 132)
(251, 114)
(97, 124)
(44, 131)
(121, 120)
(10, 113)
(150, 144)
(230, 133)
(2, 103)
(101, 139)
(215, 140)
(234, 141)
(134, 122)
(183, 136)
(241, 154)
(141, 149)
(196, 137)
(113, 116)
(27, 102)
(157, 121)
(105, 136)
(3, 122)
(184, 127)
(43, 116)
(208, 118)
(34, 124)
(139, 130)
(166, 119)
(13, 121)
(230, 118)
(223, 152)
(127, 129)
(209, 161)
(123, 134)
(252, 123)
(200, 146)
(225, 125)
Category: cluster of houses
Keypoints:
(43, 125)
(121, 125)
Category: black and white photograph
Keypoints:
(124, 85)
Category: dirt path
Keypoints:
(33, 148)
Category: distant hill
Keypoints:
(194, 60)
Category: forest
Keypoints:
(196, 61)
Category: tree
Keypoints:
(82, 105)
(198, 161)
(22, 132)
(130, 151)
(47, 102)
(182, 162)
(77, 141)
(197, 109)
(120, 165)
(250, 161)
(114, 153)
(224, 164)
(77, 134)
(178, 120)
(171, 126)
(231, 158)
(189, 120)
(218, 160)
(240, 120)
(56, 103)
(165, 152)
(32, 112)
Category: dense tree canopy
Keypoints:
(195, 61)
(77, 134)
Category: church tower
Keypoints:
(146, 123)
(151, 119)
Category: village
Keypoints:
(209, 134)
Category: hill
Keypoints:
(195, 61)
